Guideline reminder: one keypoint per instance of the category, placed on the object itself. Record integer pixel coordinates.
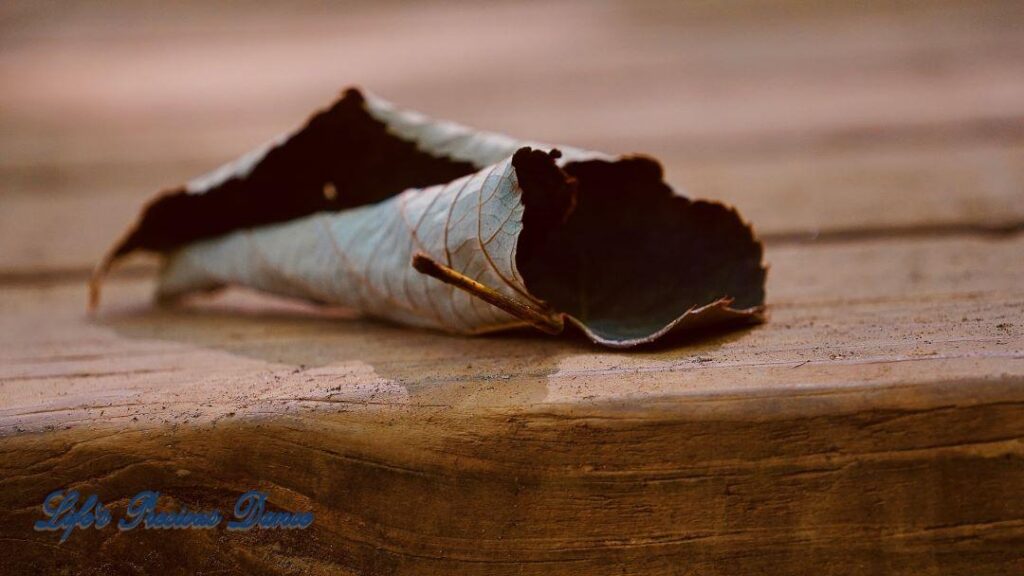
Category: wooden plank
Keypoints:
(806, 119)
(899, 488)
(705, 82)
(947, 188)
(941, 296)
(875, 424)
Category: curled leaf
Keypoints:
(433, 224)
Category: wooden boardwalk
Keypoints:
(873, 425)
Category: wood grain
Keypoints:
(873, 425)
(806, 119)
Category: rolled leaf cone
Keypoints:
(432, 224)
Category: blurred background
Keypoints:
(817, 120)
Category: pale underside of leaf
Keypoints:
(360, 258)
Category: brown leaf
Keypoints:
(369, 206)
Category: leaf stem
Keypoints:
(544, 321)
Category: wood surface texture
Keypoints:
(875, 424)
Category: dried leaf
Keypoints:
(433, 224)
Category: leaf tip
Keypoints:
(353, 93)
(95, 287)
